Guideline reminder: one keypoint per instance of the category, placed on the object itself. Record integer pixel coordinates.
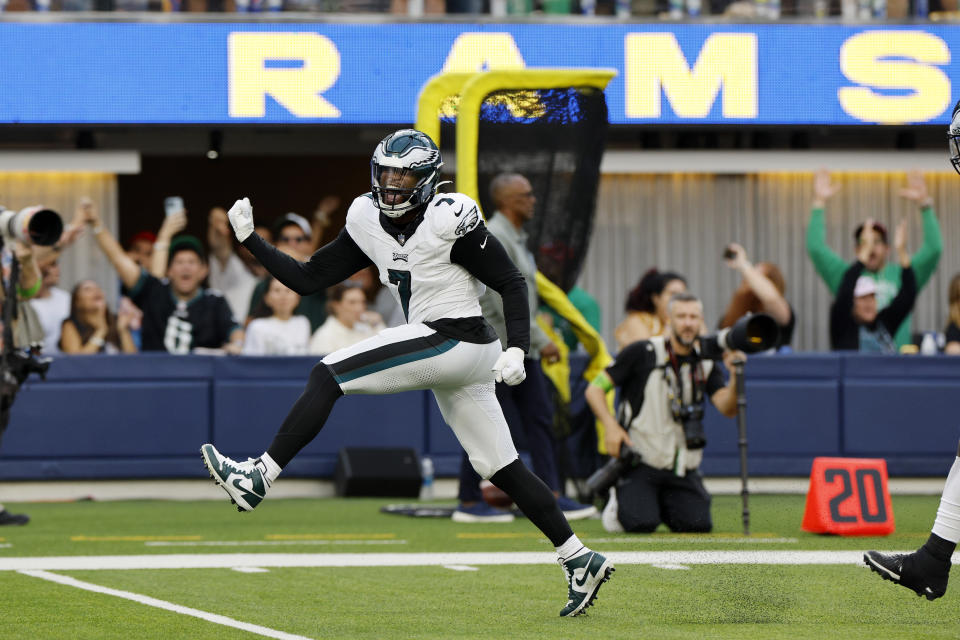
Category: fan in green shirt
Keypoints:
(831, 266)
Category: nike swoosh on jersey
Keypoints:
(457, 213)
(483, 244)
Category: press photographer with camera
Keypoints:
(21, 334)
(657, 437)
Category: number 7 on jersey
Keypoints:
(402, 280)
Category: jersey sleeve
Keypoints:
(453, 215)
(480, 253)
(635, 356)
(330, 264)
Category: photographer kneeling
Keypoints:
(663, 383)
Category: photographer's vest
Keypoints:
(656, 436)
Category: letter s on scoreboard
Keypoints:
(889, 60)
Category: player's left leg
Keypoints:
(397, 359)
(474, 415)
(927, 569)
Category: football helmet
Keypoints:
(404, 172)
(953, 138)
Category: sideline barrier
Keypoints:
(849, 497)
(145, 416)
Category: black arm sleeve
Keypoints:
(840, 318)
(480, 253)
(901, 306)
(330, 264)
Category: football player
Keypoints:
(927, 569)
(435, 255)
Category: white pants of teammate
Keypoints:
(414, 356)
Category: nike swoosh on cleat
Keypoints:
(580, 583)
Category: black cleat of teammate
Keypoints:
(920, 571)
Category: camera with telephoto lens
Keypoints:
(606, 476)
(751, 334)
(34, 225)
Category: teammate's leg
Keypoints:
(927, 569)
(474, 415)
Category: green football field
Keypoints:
(341, 569)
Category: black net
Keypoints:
(555, 139)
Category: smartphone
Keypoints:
(173, 204)
(729, 254)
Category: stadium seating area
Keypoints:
(144, 416)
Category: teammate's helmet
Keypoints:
(953, 138)
(404, 172)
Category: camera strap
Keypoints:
(675, 382)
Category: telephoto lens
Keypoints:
(606, 476)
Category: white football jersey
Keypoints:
(417, 269)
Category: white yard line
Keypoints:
(230, 560)
(169, 606)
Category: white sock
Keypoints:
(272, 468)
(570, 547)
(947, 524)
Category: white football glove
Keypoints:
(509, 367)
(241, 218)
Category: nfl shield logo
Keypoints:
(402, 239)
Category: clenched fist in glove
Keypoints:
(241, 219)
(509, 367)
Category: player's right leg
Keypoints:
(247, 482)
(474, 415)
(927, 569)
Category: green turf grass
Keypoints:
(739, 602)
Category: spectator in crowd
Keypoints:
(663, 387)
(832, 267)
(12, 518)
(293, 234)
(761, 290)
(953, 325)
(647, 306)
(140, 248)
(52, 305)
(274, 330)
(179, 315)
(91, 327)
(513, 196)
(321, 220)
(228, 273)
(379, 298)
(348, 322)
(855, 323)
